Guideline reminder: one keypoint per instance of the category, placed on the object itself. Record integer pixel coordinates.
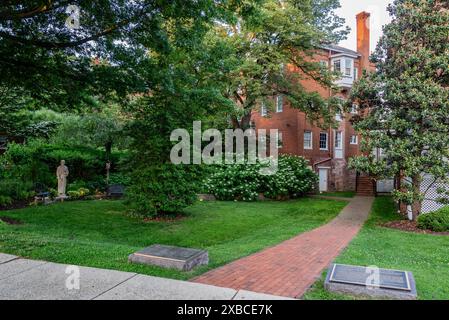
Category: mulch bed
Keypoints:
(11, 221)
(410, 226)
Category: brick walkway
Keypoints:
(291, 267)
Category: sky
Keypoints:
(379, 17)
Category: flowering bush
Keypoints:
(245, 182)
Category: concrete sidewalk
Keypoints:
(24, 279)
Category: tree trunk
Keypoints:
(417, 204)
(402, 205)
(108, 148)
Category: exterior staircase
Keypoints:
(365, 186)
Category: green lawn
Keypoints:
(427, 256)
(341, 194)
(99, 234)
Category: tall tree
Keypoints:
(61, 62)
(407, 99)
(264, 43)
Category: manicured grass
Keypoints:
(99, 234)
(427, 256)
(341, 194)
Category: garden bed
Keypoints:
(410, 226)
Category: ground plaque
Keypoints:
(171, 257)
(369, 281)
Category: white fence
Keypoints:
(429, 187)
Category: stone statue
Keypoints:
(61, 173)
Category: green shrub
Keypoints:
(37, 161)
(5, 200)
(75, 185)
(81, 193)
(245, 182)
(74, 195)
(163, 189)
(119, 178)
(437, 221)
(12, 190)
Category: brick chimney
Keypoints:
(363, 38)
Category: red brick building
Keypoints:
(328, 151)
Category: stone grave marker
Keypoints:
(170, 257)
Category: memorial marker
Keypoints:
(374, 282)
(170, 257)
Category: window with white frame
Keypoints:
(348, 67)
(279, 103)
(324, 138)
(308, 143)
(356, 73)
(354, 108)
(337, 65)
(263, 110)
(338, 116)
(279, 140)
(338, 140)
(354, 139)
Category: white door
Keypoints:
(338, 145)
(323, 173)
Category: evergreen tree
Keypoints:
(406, 100)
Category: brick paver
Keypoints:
(291, 267)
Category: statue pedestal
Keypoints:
(61, 197)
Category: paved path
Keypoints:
(24, 279)
(290, 268)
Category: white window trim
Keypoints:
(263, 110)
(356, 140)
(340, 140)
(339, 116)
(311, 140)
(354, 109)
(333, 64)
(279, 106)
(279, 142)
(327, 141)
(351, 69)
(343, 66)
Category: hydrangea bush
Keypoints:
(244, 182)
